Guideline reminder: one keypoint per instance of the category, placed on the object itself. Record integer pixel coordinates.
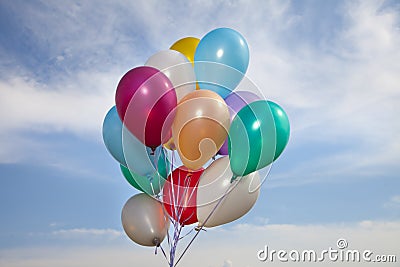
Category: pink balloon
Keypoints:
(144, 99)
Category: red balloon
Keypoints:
(180, 194)
(146, 101)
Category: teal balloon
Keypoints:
(151, 184)
(257, 136)
(131, 177)
(112, 135)
(221, 60)
(129, 151)
(141, 159)
(282, 126)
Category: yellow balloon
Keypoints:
(200, 127)
(186, 46)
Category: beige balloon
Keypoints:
(214, 183)
(144, 221)
(200, 127)
(177, 68)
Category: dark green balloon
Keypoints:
(163, 164)
(257, 136)
(129, 177)
(282, 128)
(150, 185)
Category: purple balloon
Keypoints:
(235, 102)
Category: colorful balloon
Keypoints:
(144, 99)
(178, 70)
(215, 182)
(129, 151)
(179, 195)
(112, 135)
(143, 160)
(221, 60)
(235, 102)
(282, 126)
(254, 136)
(150, 184)
(130, 177)
(186, 46)
(144, 221)
(200, 127)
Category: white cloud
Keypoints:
(227, 263)
(393, 203)
(239, 244)
(31, 109)
(80, 233)
(77, 105)
(342, 95)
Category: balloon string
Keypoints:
(187, 186)
(176, 214)
(165, 255)
(177, 233)
(188, 233)
(166, 161)
(205, 221)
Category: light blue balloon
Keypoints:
(221, 60)
(129, 151)
(112, 135)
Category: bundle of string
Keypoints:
(178, 209)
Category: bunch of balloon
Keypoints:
(187, 132)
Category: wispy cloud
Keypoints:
(342, 97)
(77, 106)
(393, 203)
(227, 263)
(81, 233)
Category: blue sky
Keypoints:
(333, 66)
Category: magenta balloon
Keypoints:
(236, 101)
(144, 99)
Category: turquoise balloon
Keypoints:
(257, 136)
(282, 126)
(131, 177)
(151, 184)
(129, 151)
(141, 159)
(221, 60)
(112, 135)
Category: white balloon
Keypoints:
(177, 68)
(144, 220)
(213, 185)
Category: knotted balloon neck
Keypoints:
(200, 227)
(156, 242)
(153, 150)
(234, 177)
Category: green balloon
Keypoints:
(163, 165)
(150, 185)
(257, 136)
(282, 126)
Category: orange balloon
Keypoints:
(200, 127)
(186, 46)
